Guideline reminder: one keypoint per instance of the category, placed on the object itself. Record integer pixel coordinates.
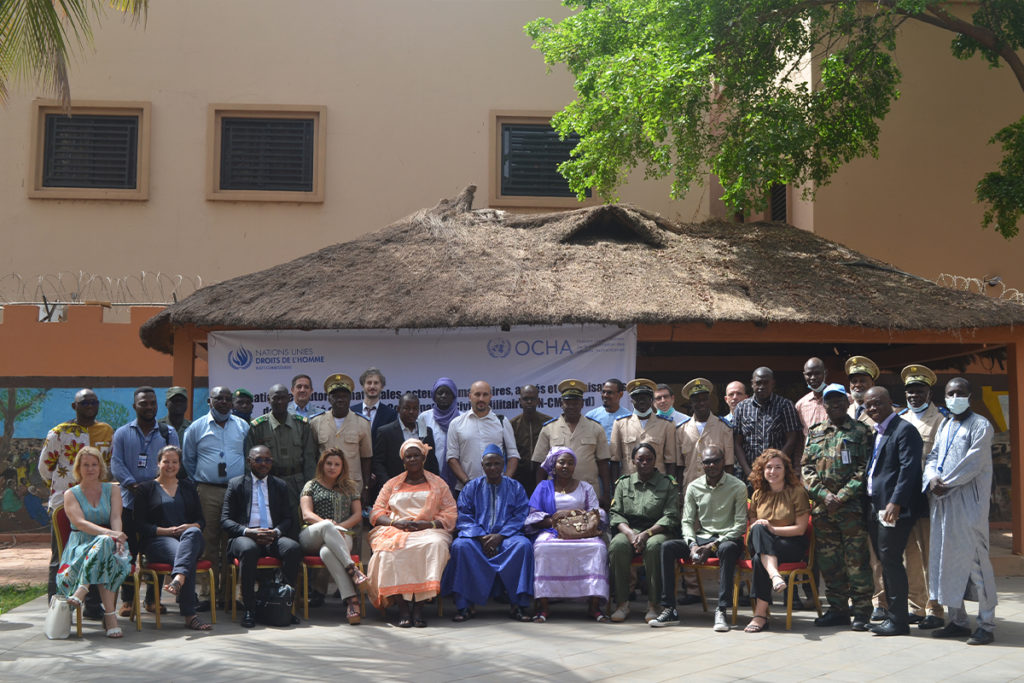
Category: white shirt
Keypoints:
(370, 411)
(407, 433)
(468, 435)
(254, 509)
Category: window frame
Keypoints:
(216, 112)
(37, 149)
(495, 196)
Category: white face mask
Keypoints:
(643, 416)
(818, 389)
(958, 404)
(920, 409)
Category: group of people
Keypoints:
(601, 503)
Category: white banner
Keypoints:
(412, 360)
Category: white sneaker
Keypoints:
(721, 625)
(652, 613)
(621, 612)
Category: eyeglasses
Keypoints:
(262, 460)
(88, 402)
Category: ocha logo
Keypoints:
(240, 359)
(499, 348)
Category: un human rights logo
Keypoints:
(499, 348)
(240, 359)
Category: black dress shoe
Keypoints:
(951, 630)
(889, 628)
(879, 614)
(914, 618)
(248, 619)
(861, 622)
(833, 618)
(981, 637)
(688, 600)
(316, 599)
(931, 621)
(295, 620)
(203, 606)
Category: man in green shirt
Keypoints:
(290, 441)
(714, 520)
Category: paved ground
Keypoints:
(23, 562)
(493, 648)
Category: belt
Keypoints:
(208, 483)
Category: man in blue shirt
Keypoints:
(214, 453)
(134, 453)
(611, 406)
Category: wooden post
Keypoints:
(185, 362)
(1015, 375)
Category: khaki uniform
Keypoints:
(353, 439)
(692, 443)
(291, 443)
(587, 441)
(629, 431)
(916, 554)
(852, 412)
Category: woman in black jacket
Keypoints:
(170, 523)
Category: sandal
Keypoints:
(353, 613)
(404, 622)
(115, 630)
(516, 614)
(173, 587)
(540, 618)
(600, 617)
(464, 614)
(356, 574)
(778, 583)
(196, 624)
(74, 603)
(757, 628)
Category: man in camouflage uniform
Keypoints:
(834, 464)
(290, 441)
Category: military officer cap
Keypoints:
(697, 386)
(640, 386)
(338, 381)
(243, 392)
(833, 388)
(572, 388)
(176, 391)
(918, 374)
(861, 365)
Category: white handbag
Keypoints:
(58, 618)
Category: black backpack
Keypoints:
(274, 602)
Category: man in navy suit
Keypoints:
(371, 407)
(258, 519)
(387, 463)
(896, 501)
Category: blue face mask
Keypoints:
(923, 407)
(958, 404)
(667, 413)
(219, 416)
(818, 389)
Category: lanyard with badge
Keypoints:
(844, 452)
(949, 441)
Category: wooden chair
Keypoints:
(314, 562)
(262, 563)
(685, 563)
(795, 573)
(62, 529)
(154, 573)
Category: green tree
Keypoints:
(17, 404)
(685, 88)
(37, 36)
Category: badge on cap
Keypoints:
(641, 386)
(861, 365)
(572, 388)
(918, 374)
(699, 385)
(338, 381)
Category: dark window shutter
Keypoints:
(266, 154)
(530, 155)
(778, 209)
(89, 150)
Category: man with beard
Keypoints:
(643, 426)
(861, 373)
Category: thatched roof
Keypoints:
(452, 266)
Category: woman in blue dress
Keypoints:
(96, 552)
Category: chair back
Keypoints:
(61, 527)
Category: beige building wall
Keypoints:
(914, 206)
(409, 88)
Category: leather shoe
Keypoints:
(889, 628)
(316, 599)
(931, 621)
(914, 618)
(951, 630)
(295, 620)
(833, 618)
(248, 619)
(861, 622)
(981, 637)
(879, 614)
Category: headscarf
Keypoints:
(444, 417)
(493, 449)
(409, 443)
(549, 462)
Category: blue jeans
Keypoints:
(182, 553)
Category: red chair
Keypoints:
(262, 563)
(154, 573)
(62, 528)
(314, 562)
(795, 573)
(709, 563)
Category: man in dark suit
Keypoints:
(896, 501)
(371, 407)
(258, 519)
(386, 461)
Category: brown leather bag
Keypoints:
(579, 525)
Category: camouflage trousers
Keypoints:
(841, 554)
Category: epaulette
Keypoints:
(904, 411)
(727, 423)
(260, 420)
(597, 422)
(621, 477)
(814, 426)
(667, 419)
(360, 415)
(620, 417)
(300, 418)
(945, 411)
(686, 418)
(554, 419)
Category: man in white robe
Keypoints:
(958, 478)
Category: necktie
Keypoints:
(261, 501)
(858, 412)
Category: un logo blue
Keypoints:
(240, 359)
(499, 348)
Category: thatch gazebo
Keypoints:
(751, 283)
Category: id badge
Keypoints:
(844, 455)
(143, 459)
